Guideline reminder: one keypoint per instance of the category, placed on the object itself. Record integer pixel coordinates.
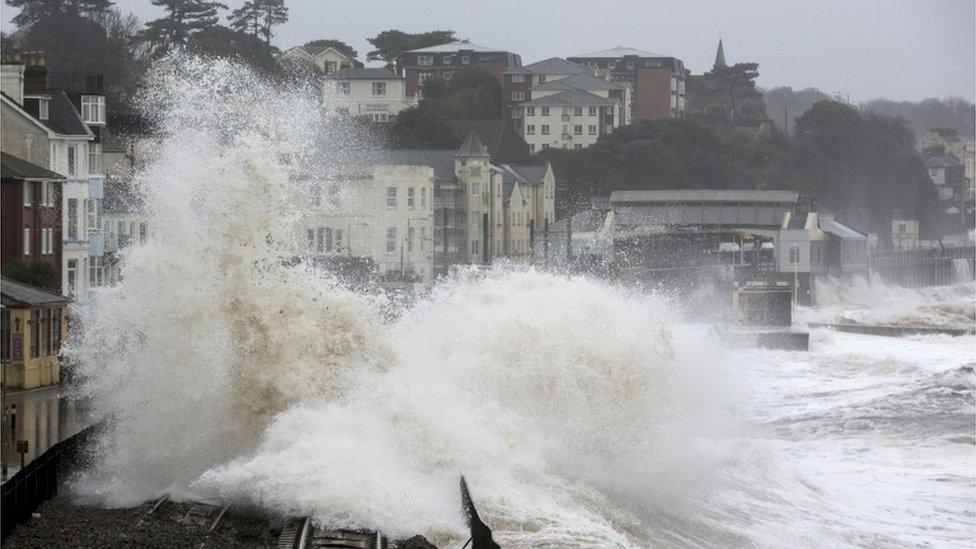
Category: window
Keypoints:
(474, 247)
(475, 188)
(35, 333)
(45, 193)
(465, 59)
(518, 78)
(391, 240)
(545, 145)
(516, 113)
(578, 129)
(338, 242)
(315, 194)
(530, 129)
(609, 130)
(532, 147)
(142, 232)
(518, 96)
(592, 111)
(28, 198)
(794, 255)
(328, 239)
(93, 109)
(545, 129)
(379, 88)
(72, 161)
(334, 196)
(410, 233)
(577, 111)
(342, 88)
(410, 197)
(321, 240)
(26, 240)
(311, 239)
(72, 274)
(529, 111)
(578, 146)
(630, 65)
(73, 218)
(423, 197)
(94, 157)
(42, 109)
(545, 111)
(591, 129)
(446, 59)
(540, 79)
(425, 59)
(391, 198)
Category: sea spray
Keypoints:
(226, 366)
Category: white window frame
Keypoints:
(391, 240)
(518, 96)
(391, 198)
(342, 88)
(529, 111)
(72, 159)
(93, 109)
(94, 158)
(592, 111)
(425, 60)
(519, 78)
(544, 130)
(43, 109)
(27, 241)
(381, 86)
(28, 193)
(545, 111)
(530, 129)
(411, 197)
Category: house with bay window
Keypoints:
(375, 93)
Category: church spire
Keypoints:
(719, 56)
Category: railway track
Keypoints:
(198, 517)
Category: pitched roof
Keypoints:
(17, 168)
(457, 45)
(504, 143)
(442, 161)
(18, 294)
(839, 229)
(553, 65)
(363, 74)
(942, 162)
(569, 98)
(621, 51)
(528, 175)
(63, 118)
(584, 81)
(473, 146)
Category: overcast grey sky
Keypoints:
(901, 49)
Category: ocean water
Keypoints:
(583, 414)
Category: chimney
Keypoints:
(35, 72)
(12, 76)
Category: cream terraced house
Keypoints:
(376, 93)
(383, 213)
(572, 111)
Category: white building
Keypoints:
(572, 113)
(327, 59)
(376, 93)
(381, 213)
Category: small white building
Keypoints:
(376, 93)
(327, 59)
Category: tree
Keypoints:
(420, 128)
(390, 44)
(34, 272)
(259, 17)
(472, 94)
(183, 18)
(324, 43)
(32, 11)
(220, 41)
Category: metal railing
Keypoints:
(38, 480)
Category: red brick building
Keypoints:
(444, 60)
(30, 213)
(658, 80)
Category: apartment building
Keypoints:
(443, 61)
(375, 93)
(517, 81)
(658, 80)
(562, 116)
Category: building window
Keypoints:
(338, 242)
(545, 129)
(315, 194)
(42, 109)
(465, 59)
(72, 160)
(328, 239)
(423, 197)
(72, 274)
(334, 196)
(72, 218)
(410, 197)
(93, 109)
(532, 147)
(425, 59)
(27, 241)
(410, 233)
(530, 129)
(591, 129)
(577, 111)
(379, 88)
(94, 158)
(28, 198)
(321, 240)
(578, 146)
(142, 232)
(311, 239)
(794, 255)
(391, 240)
(529, 111)
(630, 65)
(35, 322)
(391, 198)
(475, 188)
(518, 96)
(540, 79)
(578, 129)
(545, 111)
(592, 111)
(342, 88)
(518, 78)
(474, 247)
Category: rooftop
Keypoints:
(620, 51)
(63, 117)
(569, 98)
(703, 196)
(580, 82)
(457, 45)
(17, 168)
(19, 295)
(553, 65)
(942, 162)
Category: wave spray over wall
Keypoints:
(228, 370)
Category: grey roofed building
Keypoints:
(946, 161)
(619, 197)
(457, 45)
(528, 175)
(620, 51)
(837, 228)
(18, 294)
(12, 167)
(569, 98)
(442, 161)
(360, 73)
(553, 65)
(472, 146)
(580, 82)
(63, 118)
